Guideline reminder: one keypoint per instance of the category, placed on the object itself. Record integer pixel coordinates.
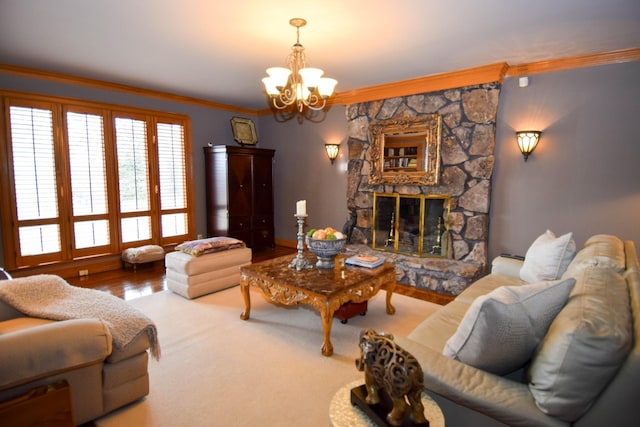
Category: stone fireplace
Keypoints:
(466, 165)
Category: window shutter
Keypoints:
(34, 172)
(133, 172)
(88, 179)
(173, 180)
(133, 176)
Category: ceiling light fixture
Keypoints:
(298, 84)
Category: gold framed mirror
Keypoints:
(406, 151)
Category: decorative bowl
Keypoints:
(326, 250)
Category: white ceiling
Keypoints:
(218, 50)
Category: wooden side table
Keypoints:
(46, 405)
(343, 414)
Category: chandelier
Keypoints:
(298, 84)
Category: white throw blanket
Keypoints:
(51, 297)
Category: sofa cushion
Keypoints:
(584, 347)
(49, 348)
(502, 329)
(548, 257)
(486, 284)
(601, 250)
(23, 322)
(435, 330)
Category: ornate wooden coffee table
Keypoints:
(325, 290)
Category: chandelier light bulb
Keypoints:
(279, 76)
(311, 77)
(270, 86)
(326, 86)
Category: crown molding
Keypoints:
(432, 83)
(117, 87)
(613, 57)
(472, 76)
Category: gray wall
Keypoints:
(303, 171)
(584, 176)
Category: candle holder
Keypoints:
(300, 262)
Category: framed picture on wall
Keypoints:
(244, 131)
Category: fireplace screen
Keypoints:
(411, 224)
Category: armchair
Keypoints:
(86, 351)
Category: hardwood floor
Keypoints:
(147, 279)
(150, 278)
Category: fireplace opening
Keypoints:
(411, 224)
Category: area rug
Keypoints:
(218, 370)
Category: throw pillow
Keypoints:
(502, 329)
(602, 251)
(548, 257)
(585, 346)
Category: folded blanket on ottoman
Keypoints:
(207, 246)
(51, 297)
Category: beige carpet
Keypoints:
(218, 370)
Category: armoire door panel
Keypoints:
(262, 178)
(240, 185)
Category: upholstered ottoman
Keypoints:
(142, 255)
(194, 276)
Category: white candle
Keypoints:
(301, 208)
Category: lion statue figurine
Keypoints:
(389, 367)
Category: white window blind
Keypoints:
(34, 174)
(133, 171)
(33, 163)
(88, 179)
(133, 176)
(173, 181)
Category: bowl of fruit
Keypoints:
(326, 243)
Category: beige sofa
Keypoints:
(585, 369)
(35, 351)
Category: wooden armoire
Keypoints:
(239, 184)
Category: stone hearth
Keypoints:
(467, 159)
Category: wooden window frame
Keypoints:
(70, 259)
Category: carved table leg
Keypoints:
(244, 288)
(390, 288)
(327, 319)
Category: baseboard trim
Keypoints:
(72, 268)
(423, 294)
(287, 243)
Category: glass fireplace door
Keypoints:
(411, 224)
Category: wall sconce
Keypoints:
(332, 151)
(527, 141)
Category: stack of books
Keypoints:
(368, 261)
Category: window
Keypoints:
(173, 179)
(133, 179)
(87, 165)
(36, 201)
(88, 180)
